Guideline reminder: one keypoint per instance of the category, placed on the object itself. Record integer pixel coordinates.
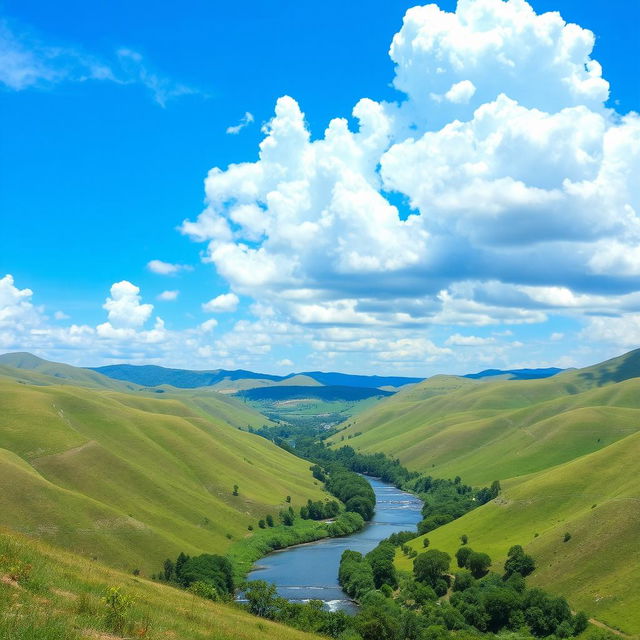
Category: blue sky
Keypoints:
(115, 113)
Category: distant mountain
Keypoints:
(151, 375)
(239, 379)
(515, 374)
(328, 394)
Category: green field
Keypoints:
(566, 451)
(133, 478)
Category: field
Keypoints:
(133, 478)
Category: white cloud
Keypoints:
(622, 332)
(246, 120)
(60, 315)
(209, 325)
(16, 308)
(223, 303)
(166, 268)
(516, 183)
(26, 62)
(468, 341)
(460, 92)
(125, 310)
(284, 363)
(169, 295)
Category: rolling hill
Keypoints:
(59, 596)
(131, 478)
(565, 449)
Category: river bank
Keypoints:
(310, 571)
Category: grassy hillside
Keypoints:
(48, 594)
(595, 498)
(32, 368)
(483, 431)
(132, 479)
(565, 449)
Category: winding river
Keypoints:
(310, 571)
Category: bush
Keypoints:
(117, 608)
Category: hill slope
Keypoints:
(59, 596)
(595, 498)
(565, 449)
(132, 479)
(487, 430)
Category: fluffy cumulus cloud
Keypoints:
(498, 189)
(124, 307)
(223, 303)
(128, 334)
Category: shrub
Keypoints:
(117, 608)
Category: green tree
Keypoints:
(261, 598)
(518, 562)
(478, 563)
(462, 556)
(464, 538)
(430, 566)
(262, 524)
(235, 489)
(169, 570)
(269, 520)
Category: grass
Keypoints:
(48, 594)
(132, 479)
(595, 498)
(495, 430)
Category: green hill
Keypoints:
(596, 499)
(565, 450)
(133, 478)
(49, 594)
(452, 426)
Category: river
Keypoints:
(310, 571)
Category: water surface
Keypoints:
(310, 571)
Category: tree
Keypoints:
(288, 498)
(213, 569)
(262, 524)
(261, 598)
(286, 517)
(478, 563)
(462, 556)
(361, 505)
(235, 489)
(269, 520)
(169, 569)
(180, 562)
(425, 542)
(580, 622)
(430, 566)
(518, 562)
(464, 538)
